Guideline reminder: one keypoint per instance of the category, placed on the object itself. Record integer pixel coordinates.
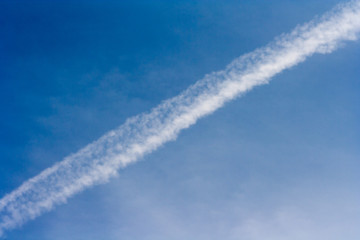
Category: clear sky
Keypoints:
(281, 162)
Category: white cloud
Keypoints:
(142, 134)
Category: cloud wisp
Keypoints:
(142, 134)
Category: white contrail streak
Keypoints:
(142, 134)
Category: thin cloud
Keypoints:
(140, 135)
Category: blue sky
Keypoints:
(281, 162)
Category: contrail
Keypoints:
(140, 135)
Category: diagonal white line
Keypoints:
(142, 134)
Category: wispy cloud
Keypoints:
(142, 134)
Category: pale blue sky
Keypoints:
(281, 162)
